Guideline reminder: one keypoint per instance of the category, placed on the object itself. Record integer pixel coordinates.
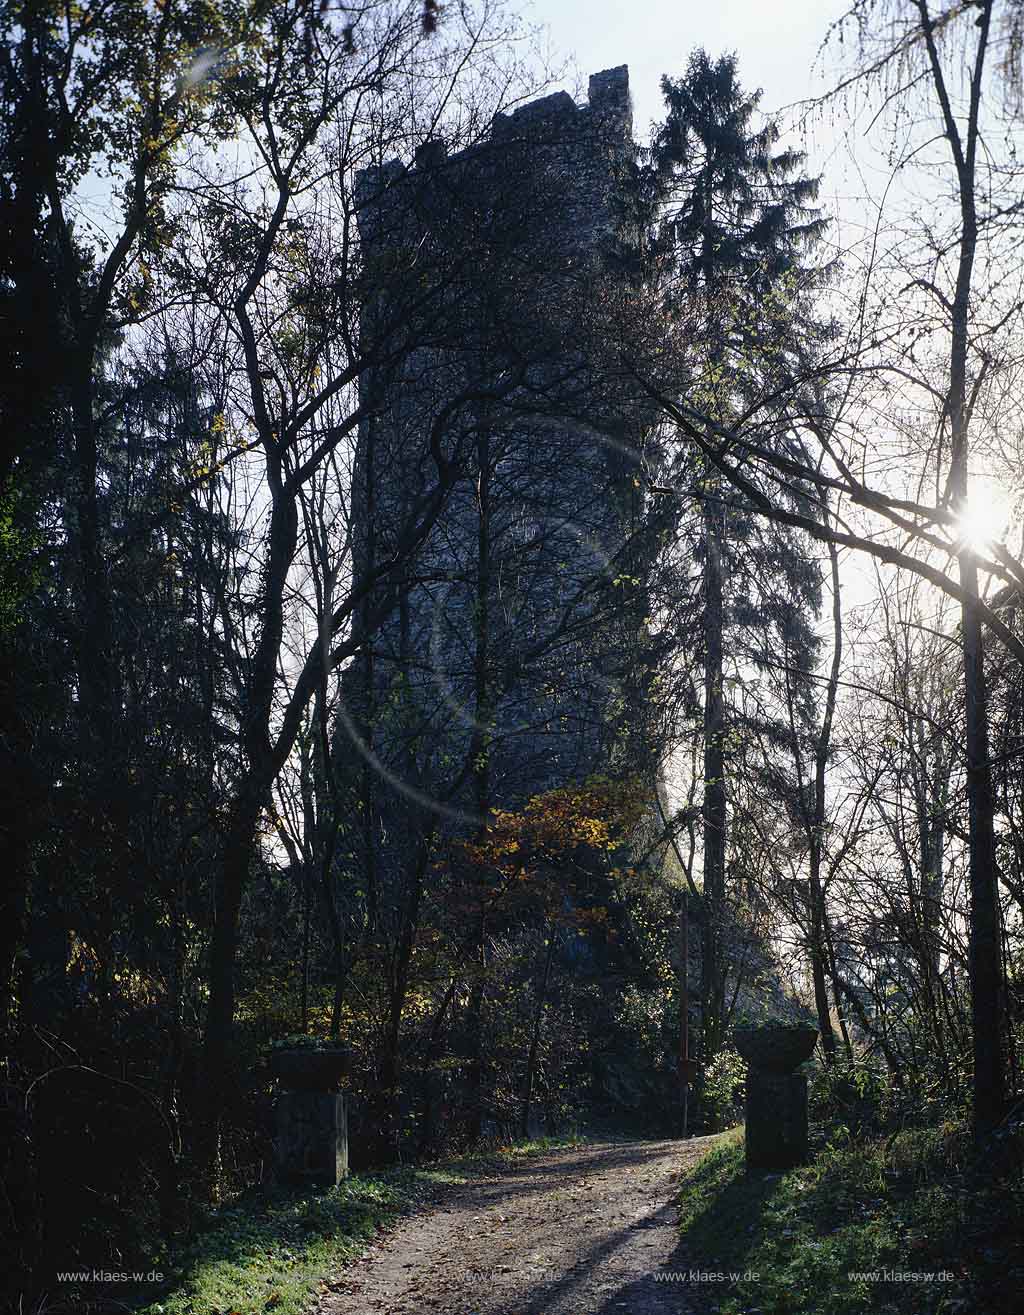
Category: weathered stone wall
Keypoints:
(491, 263)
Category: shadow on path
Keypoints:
(581, 1231)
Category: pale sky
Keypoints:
(777, 43)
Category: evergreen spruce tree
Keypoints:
(737, 236)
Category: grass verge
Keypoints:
(269, 1254)
(828, 1238)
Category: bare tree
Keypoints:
(854, 417)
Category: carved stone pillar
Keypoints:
(776, 1131)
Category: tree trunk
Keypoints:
(819, 913)
(684, 1011)
(985, 947)
(538, 1014)
(479, 750)
(714, 781)
(390, 1068)
(97, 716)
(474, 1030)
(430, 1077)
(239, 846)
(985, 941)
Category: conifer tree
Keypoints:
(738, 230)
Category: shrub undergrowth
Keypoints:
(831, 1237)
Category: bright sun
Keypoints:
(982, 522)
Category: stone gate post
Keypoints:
(776, 1131)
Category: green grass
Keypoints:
(914, 1202)
(270, 1252)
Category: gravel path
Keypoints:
(576, 1232)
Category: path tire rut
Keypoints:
(585, 1231)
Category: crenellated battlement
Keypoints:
(548, 123)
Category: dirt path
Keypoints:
(576, 1232)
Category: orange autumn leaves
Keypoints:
(559, 841)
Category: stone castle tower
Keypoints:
(499, 669)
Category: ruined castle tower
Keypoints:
(498, 672)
